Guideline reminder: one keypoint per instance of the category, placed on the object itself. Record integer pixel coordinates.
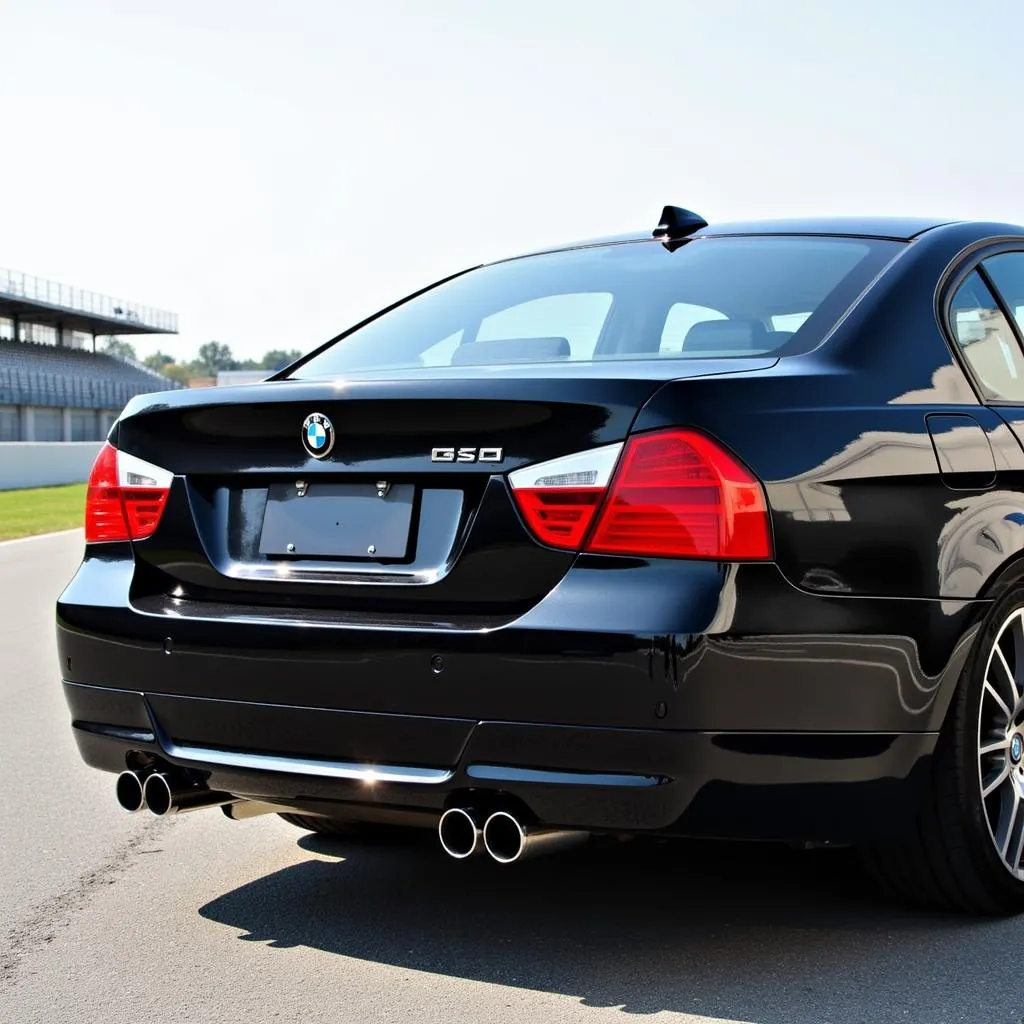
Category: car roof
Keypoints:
(903, 228)
(898, 228)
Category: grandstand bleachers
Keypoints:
(52, 387)
(48, 377)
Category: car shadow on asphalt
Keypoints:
(733, 931)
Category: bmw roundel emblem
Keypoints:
(317, 435)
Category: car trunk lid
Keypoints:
(409, 510)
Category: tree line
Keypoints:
(211, 359)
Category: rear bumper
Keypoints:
(701, 700)
(764, 785)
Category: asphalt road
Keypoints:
(126, 918)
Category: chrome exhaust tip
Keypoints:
(459, 833)
(157, 794)
(163, 797)
(507, 840)
(129, 792)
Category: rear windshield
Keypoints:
(709, 298)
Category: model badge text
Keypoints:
(467, 454)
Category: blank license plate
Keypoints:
(337, 521)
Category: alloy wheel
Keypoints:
(1001, 743)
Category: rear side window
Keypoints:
(1007, 273)
(707, 298)
(987, 340)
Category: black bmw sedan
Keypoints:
(715, 530)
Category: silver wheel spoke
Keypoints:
(994, 747)
(1014, 691)
(996, 782)
(991, 691)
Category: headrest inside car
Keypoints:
(720, 336)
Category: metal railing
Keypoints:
(14, 284)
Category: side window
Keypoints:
(1007, 273)
(987, 340)
(578, 317)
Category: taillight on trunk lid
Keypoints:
(664, 494)
(125, 497)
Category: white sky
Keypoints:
(273, 171)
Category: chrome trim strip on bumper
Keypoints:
(298, 766)
(505, 773)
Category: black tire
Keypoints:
(338, 828)
(948, 860)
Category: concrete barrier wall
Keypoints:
(45, 463)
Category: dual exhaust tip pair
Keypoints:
(464, 832)
(161, 794)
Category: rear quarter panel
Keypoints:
(839, 438)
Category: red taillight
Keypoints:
(677, 494)
(559, 516)
(104, 516)
(674, 494)
(125, 497)
(558, 499)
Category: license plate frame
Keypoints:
(338, 521)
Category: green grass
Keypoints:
(41, 510)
